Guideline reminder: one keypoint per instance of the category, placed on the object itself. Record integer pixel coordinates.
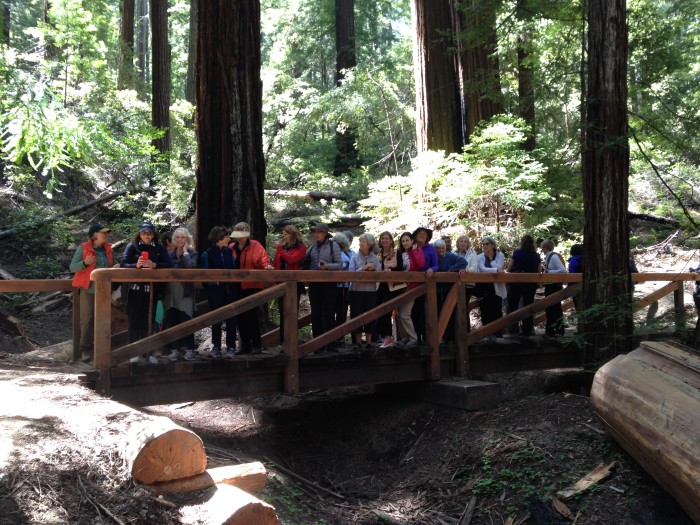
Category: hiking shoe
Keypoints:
(388, 341)
(152, 360)
(257, 351)
(174, 355)
(215, 353)
(411, 343)
(138, 360)
(230, 353)
(190, 355)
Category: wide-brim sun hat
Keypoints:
(320, 227)
(425, 229)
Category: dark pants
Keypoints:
(491, 306)
(361, 302)
(526, 292)
(341, 305)
(173, 318)
(555, 315)
(248, 325)
(418, 318)
(322, 297)
(137, 308)
(218, 296)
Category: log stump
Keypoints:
(228, 505)
(649, 400)
(158, 450)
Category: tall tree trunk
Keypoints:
(50, 51)
(438, 119)
(481, 84)
(5, 24)
(346, 152)
(160, 103)
(125, 77)
(191, 53)
(142, 40)
(230, 166)
(526, 76)
(606, 285)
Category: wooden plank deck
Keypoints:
(252, 375)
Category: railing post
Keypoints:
(431, 329)
(290, 307)
(461, 330)
(76, 325)
(679, 304)
(103, 333)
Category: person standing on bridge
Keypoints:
(422, 236)
(553, 263)
(94, 253)
(288, 255)
(220, 257)
(524, 260)
(249, 254)
(363, 295)
(143, 252)
(492, 294)
(179, 299)
(324, 254)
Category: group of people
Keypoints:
(329, 301)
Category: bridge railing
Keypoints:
(282, 285)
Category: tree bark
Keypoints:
(191, 53)
(607, 285)
(5, 14)
(438, 114)
(125, 77)
(478, 62)
(230, 170)
(142, 40)
(160, 103)
(526, 78)
(346, 156)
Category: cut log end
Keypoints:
(159, 453)
(227, 505)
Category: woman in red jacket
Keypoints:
(96, 252)
(288, 255)
(248, 255)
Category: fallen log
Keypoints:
(247, 476)
(11, 324)
(4, 274)
(649, 401)
(157, 450)
(228, 505)
(306, 195)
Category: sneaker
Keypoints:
(215, 353)
(258, 351)
(388, 341)
(138, 360)
(230, 353)
(190, 355)
(411, 342)
(490, 339)
(174, 355)
(152, 360)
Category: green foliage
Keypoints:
(492, 185)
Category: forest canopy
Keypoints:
(77, 109)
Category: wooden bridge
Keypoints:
(294, 367)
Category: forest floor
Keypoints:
(334, 457)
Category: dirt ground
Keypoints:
(334, 457)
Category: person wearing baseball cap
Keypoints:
(94, 253)
(324, 254)
(143, 252)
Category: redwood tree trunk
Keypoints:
(606, 285)
(526, 77)
(142, 39)
(191, 53)
(125, 78)
(438, 119)
(346, 152)
(230, 168)
(481, 84)
(5, 23)
(160, 104)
